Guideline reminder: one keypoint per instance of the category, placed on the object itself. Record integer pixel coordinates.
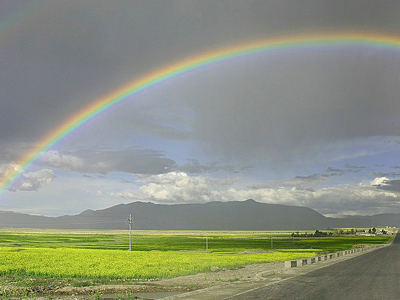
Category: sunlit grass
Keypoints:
(85, 263)
(103, 254)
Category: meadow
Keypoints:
(28, 256)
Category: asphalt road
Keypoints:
(374, 275)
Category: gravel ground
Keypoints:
(215, 278)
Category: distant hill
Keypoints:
(235, 215)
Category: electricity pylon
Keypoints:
(129, 221)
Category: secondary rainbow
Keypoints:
(374, 39)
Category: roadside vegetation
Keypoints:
(43, 261)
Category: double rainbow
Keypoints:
(379, 40)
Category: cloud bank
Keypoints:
(334, 201)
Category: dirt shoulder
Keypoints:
(199, 281)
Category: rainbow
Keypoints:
(373, 39)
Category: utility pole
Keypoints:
(206, 242)
(272, 243)
(130, 222)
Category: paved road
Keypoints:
(374, 275)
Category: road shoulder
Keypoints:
(251, 278)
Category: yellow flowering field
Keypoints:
(98, 263)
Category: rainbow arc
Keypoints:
(99, 106)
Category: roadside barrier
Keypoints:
(316, 259)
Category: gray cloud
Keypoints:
(336, 171)
(128, 120)
(354, 168)
(386, 174)
(137, 161)
(300, 108)
(306, 182)
(384, 183)
(70, 54)
(11, 151)
(347, 169)
(194, 166)
(353, 200)
(125, 181)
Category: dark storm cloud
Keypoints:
(301, 106)
(147, 120)
(69, 53)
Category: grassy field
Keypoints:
(28, 256)
(218, 242)
(87, 263)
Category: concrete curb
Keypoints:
(316, 259)
(228, 290)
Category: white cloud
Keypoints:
(43, 176)
(9, 169)
(55, 159)
(180, 187)
(32, 181)
(379, 181)
(125, 195)
(94, 193)
(176, 187)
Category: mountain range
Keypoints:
(235, 215)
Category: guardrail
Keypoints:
(316, 259)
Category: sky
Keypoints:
(315, 127)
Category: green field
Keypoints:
(103, 256)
